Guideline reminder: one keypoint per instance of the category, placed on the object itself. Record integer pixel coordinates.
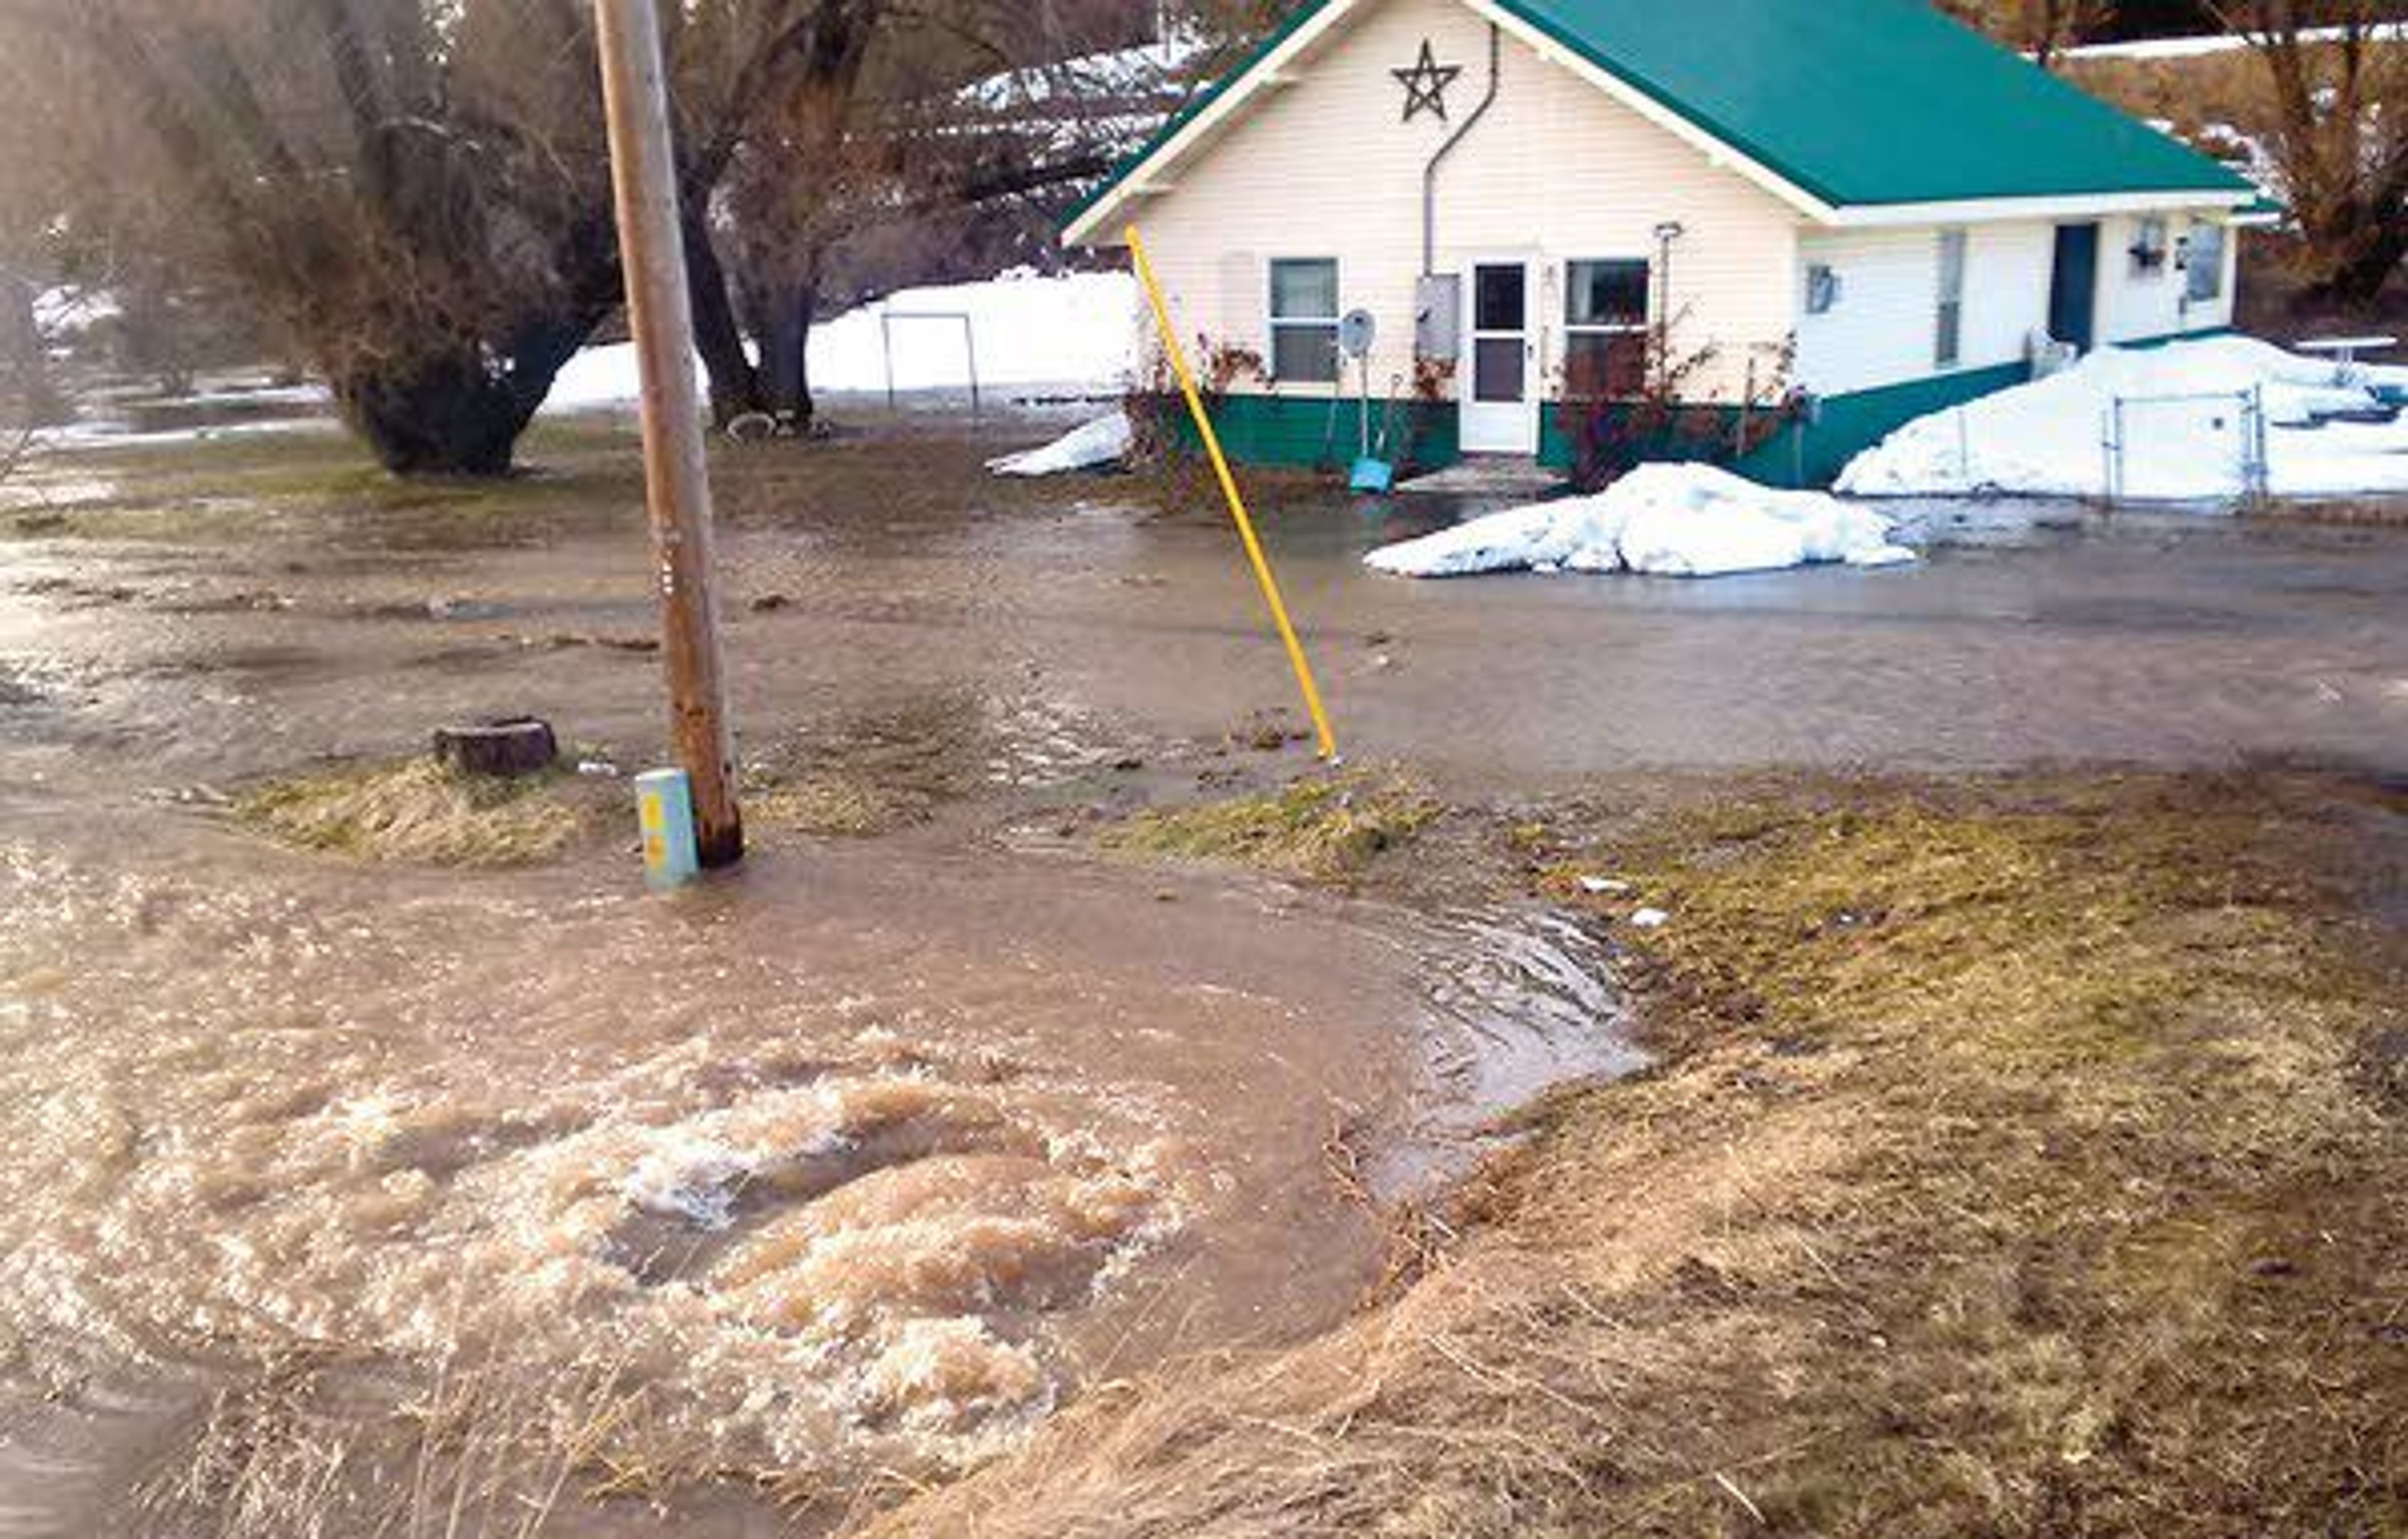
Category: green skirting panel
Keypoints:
(1299, 432)
(1813, 454)
(2147, 343)
(1295, 432)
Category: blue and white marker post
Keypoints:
(664, 808)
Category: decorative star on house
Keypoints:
(1426, 84)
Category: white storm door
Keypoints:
(1498, 384)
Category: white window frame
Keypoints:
(1642, 328)
(1956, 254)
(1275, 322)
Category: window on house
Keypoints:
(1605, 329)
(2149, 248)
(2206, 273)
(1952, 298)
(1304, 321)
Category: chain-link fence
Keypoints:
(2185, 434)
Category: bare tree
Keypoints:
(28, 396)
(2043, 29)
(416, 191)
(413, 191)
(933, 144)
(414, 194)
(2339, 134)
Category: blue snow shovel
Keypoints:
(1355, 334)
(1375, 473)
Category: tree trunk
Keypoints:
(787, 353)
(150, 334)
(452, 413)
(2359, 282)
(509, 751)
(735, 384)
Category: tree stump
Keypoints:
(507, 750)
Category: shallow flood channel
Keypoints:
(861, 1162)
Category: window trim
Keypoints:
(1275, 322)
(1642, 328)
(1955, 258)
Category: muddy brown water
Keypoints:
(867, 1151)
(866, 1160)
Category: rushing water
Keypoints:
(860, 1161)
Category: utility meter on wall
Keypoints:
(1437, 305)
(1356, 332)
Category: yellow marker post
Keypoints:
(1237, 502)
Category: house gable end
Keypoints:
(1761, 87)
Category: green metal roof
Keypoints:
(1854, 102)
(1874, 101)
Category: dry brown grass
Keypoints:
(314, 1441)
(417, 811)
(841, 807)
(1324, 829)
(2026, 1162)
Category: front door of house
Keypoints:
(2073, 286)
(1500, 412)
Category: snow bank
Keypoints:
(2048, 438)
(1122, 72)
(1684, 520)
(1072, 333)
(64, 313)
(2225, 42)
(1102, 442)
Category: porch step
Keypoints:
(1488, 475)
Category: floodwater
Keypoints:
(848, 1169)
(857, 1161)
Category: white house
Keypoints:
(1860, 199)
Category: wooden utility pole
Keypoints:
(676, 482)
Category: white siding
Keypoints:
(1558, 170)
(2136, 307)
(1883, 330)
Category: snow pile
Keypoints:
(2222, 42)
(1122, 72)
(1102, 442)
(1684, 520)
(1075, 334)
(2049, 438)
(65, 313)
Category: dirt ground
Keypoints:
(1087, 1116)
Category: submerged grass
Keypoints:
(2026, 1161)
(419, 811)
(1324, 829)
(830, 806)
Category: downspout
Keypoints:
(1429, 173)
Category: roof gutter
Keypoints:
(1867, 215)
(1429, 172)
